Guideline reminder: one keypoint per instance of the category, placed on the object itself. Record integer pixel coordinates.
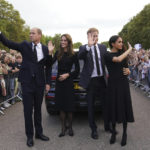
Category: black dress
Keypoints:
(64, 93)
(118, 92)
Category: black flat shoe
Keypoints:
(113, 138)
(30, 142)
(61, 134)
(42, 137)
(124, 140)
(71, 133)
(94, 135)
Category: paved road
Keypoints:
(12, 135)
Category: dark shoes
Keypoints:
(113, 138)
(42, 137)
(61, 134)
(94, 135)
(71, 133)
(30, 142)
(124, 139)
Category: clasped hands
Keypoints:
(63, 77)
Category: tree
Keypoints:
(77, 45)
(56, 41)
(106, 43)
(138, 29)
(11, 24)
(45, 39)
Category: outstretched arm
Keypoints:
(10, 44)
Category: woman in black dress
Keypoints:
(118, 92)
(64, 93)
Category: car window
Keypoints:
(55, 67)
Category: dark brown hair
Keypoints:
(69, 48)
(113, 39)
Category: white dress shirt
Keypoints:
(94, 73)
(40, 54)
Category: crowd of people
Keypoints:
(10, 63)
(139, 65)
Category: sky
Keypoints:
(75, 17)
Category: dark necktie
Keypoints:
(35, 53)
(97, 62)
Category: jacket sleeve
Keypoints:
(75, 73)
(82, 52)
(10, 44)
(48, 66)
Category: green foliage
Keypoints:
(11, 24)
(56, 41)
(138, 29)
(45, 39)
(105, 43)
(77, 45)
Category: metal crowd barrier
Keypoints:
(143, 84)
(11, 84)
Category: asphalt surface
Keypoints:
(12, 134)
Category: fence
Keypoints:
(13, 91)
(140, 78)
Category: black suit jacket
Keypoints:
(41, 69)
(88, 67)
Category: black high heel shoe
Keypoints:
(63, 132)
(124, 139)
(71, 133)
(113, 138)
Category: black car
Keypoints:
(80, 94)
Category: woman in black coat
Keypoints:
(64, 95)
(118, 93)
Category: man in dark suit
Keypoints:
(34, 74)
(93, 75)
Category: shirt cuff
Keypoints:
(0, 32)
(88, 48)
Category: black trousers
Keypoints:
(97, 87)
(32, 100)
